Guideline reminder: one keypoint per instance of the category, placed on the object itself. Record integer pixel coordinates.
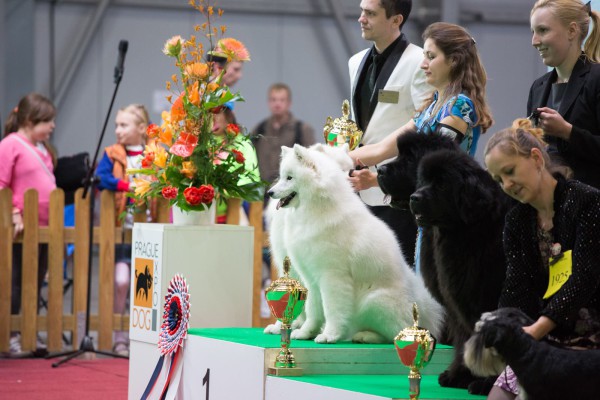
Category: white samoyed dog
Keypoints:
(359, 285)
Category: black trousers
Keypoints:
(403, 224)
(17, 274)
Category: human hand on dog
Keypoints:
(553, 123)
(540, 328)
(362, 178)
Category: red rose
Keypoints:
(232, 129)
(152, 131)
(169, 192)
(207, 194)
(239, 157)
(192, 195)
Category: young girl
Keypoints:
(221, 122)
(558, 218)
(27, 164)
(130, 129)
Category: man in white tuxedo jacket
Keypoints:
(388, 86)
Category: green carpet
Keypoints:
(392, 386)
(256, 337)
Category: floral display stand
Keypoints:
(217, 262)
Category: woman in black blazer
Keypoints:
(566, 101)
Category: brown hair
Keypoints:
(568, 11)
(467, 74)
(32, 109)
(520, 139)
(281, 86)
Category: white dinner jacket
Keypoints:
(408, 79)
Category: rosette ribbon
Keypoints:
(173, 332)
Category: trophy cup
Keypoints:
(415, 347)
(286, 297)
(342, 130)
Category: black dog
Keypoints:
(398, 179)
(143, 282)
(461, 210)
(543, 371)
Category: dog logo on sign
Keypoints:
(143, 283)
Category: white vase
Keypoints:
(198, 218)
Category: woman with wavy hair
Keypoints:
(456, 108)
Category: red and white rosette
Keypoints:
(176, 317)
(173, 332)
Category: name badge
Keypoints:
(388, 96)
(560, 271)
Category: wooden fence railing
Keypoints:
(56, 320)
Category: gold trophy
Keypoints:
(286, 298)
(342, 130)
(415, 346)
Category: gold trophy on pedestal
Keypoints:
(286, 298)
(342, 130)
(415, 346)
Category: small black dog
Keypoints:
(543, 371)
(143, 282)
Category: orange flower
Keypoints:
(158, 152)
(194, 94)
(185, 144)
(233, 49)
(177, 110)
(197, 70)
(166, 136)
(188, 169)
(142, 186)
(211, 87)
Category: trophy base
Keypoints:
(277, 371)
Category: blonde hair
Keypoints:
(520, 139)
(139, 112)
(568, 11)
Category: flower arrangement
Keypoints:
(184, 161)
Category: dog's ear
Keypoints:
(304, 157)
(318, 147)
(285, 151)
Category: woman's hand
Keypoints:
(554, 124)
(17, 220)
(362, 179)
(540, 328)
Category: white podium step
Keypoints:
(231, 363)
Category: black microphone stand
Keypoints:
(87, 343)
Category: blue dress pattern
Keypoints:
(460, 106)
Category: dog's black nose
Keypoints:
(416, 198)
(270, 193)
